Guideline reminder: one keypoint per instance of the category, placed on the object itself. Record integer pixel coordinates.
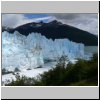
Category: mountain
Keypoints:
(57, 30)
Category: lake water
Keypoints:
(91, 49)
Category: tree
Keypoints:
(63, 60)
(83, 73)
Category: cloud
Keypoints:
(11, 20)
(88, 22)
(14, 20)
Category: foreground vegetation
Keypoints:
(83, 73)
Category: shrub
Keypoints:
(21, 81)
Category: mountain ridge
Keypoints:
(56, 30)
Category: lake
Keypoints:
(91, 49)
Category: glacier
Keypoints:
(31, 51)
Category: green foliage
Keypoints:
(62, 61)
(83, 73)
(21, 81)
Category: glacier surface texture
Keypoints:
(31, 51)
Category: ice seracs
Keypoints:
(31, 51)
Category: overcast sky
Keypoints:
(88, 22)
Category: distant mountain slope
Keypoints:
(57, 30)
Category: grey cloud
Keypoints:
(88, 22)
(14, 20)
(65, 16)
(11, 20)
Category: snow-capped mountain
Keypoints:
(31, 51)
(56, 30)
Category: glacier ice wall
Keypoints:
(31, 51)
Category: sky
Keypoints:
(87, 22)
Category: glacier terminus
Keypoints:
(31, 51)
